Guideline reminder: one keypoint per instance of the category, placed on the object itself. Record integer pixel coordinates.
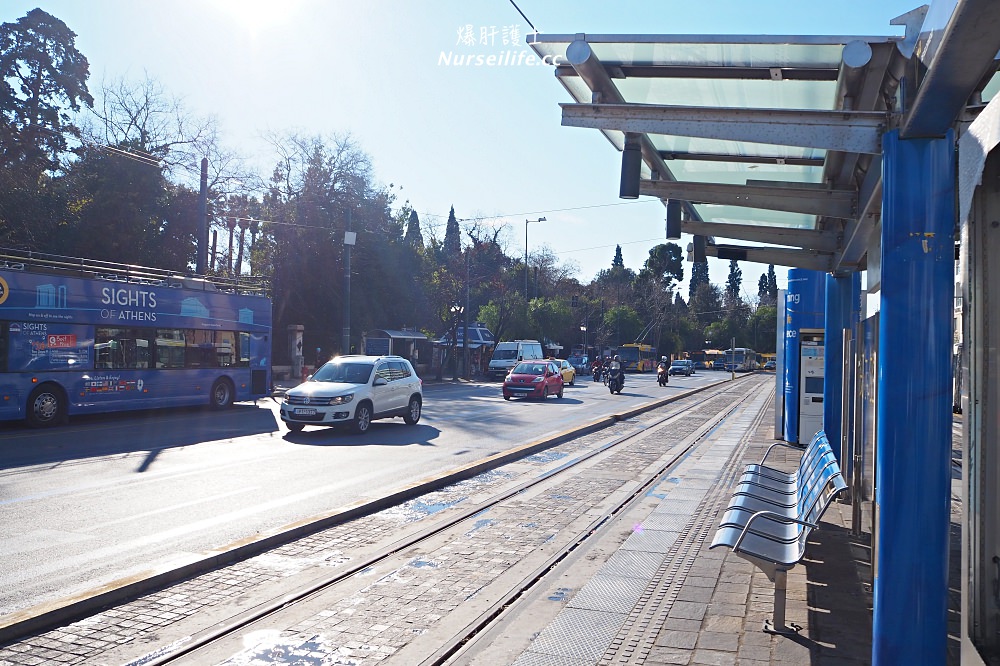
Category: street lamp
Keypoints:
(526, 223)
(583, 329)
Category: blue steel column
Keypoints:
(804, 308)
(843, 297)
(913, 439)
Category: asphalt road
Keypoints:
(113, 497)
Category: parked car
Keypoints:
(533, 379)
(566, 369)
(681, 367)
(355, 390)
(770, 365)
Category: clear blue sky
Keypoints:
(487, 140)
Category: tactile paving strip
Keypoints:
(633, 564)
(578, 634)
(615, 594)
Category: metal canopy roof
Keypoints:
(773, 140)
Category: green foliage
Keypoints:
(546, 316)
(42, 78)
(623, 324)
(664, 265)
(413, 237)
(452, 246)
(699, 276)
(618, 261)
(733, 283)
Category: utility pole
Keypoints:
(526, 223)
(465, 335)
(350, 238)
(202, 260)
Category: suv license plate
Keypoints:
(305, 411)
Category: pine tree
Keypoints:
(762, 294)
(772, 284)
(699, 276)
(452, 238)
(413, 238)
(734, 282)
(618, 261)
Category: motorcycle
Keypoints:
(616, 380)
(596, 373)
(662, 374)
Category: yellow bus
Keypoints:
(637, 357)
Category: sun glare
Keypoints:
(256, 16)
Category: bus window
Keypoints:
(169, 348)
(121, 348)
(199, 349)
(244, 350)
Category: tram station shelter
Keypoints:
(871, 160)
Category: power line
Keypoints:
(523, 16)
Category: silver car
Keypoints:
(355, 390)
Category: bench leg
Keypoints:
(777, 624)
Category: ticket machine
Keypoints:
(810, 384)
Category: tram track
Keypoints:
(188, 644)
(193, 649)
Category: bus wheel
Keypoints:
(222, 394)
(46, 406)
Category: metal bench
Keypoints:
(772, 513)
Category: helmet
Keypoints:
(617, 358)
(663, 358)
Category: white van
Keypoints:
(507, 354)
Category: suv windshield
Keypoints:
(505, 354)
(349, 373)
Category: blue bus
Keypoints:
(81, 337)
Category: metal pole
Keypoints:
(526, 223)
(465, 335)
(202, 260)
(345, 342)
(733, 366)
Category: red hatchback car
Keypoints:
(533, 379)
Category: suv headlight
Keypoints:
(342, 399)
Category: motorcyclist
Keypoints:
(595, 368)
(615, 366)
(664, 364)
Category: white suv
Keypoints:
(355, 390)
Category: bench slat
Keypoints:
(772, 513)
